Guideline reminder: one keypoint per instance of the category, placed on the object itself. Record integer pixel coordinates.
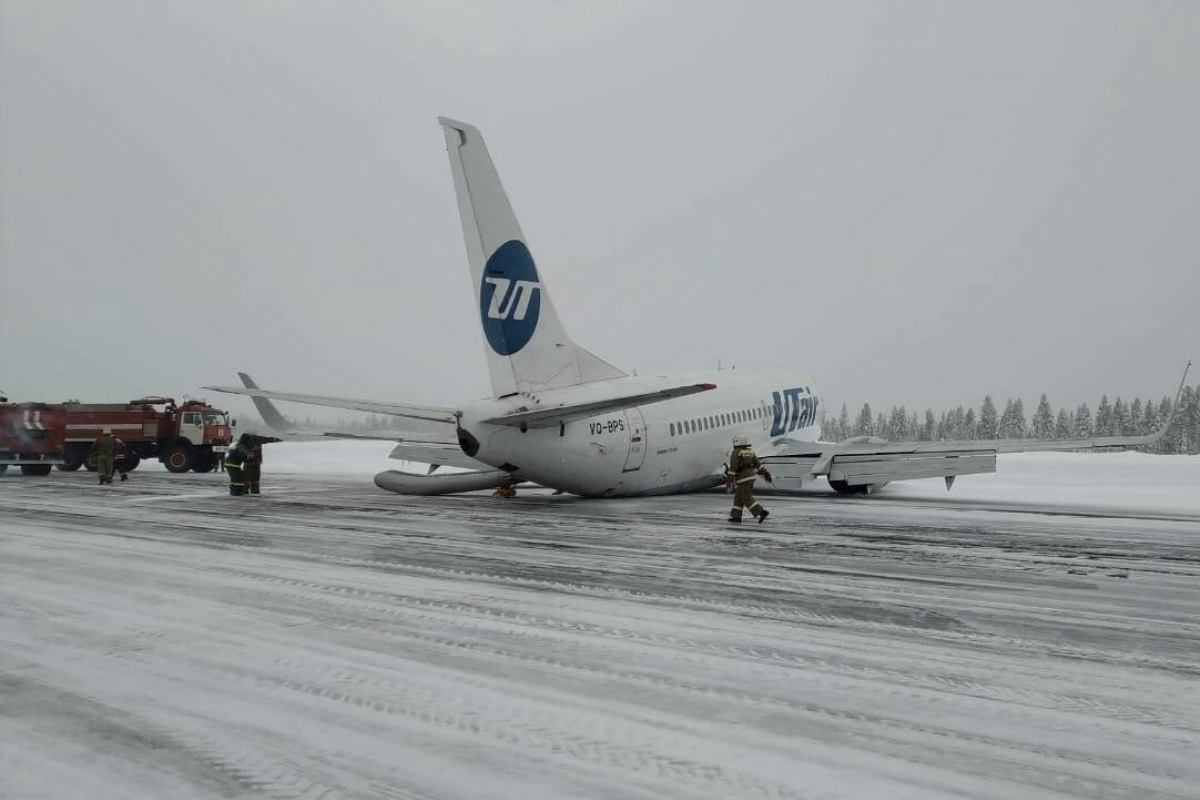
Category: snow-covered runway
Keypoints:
(161, 640)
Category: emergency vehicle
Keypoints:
(187, 436)
(31, 437)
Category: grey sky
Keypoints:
(912, 202)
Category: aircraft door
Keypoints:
(636, 426)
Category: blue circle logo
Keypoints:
(510, 298)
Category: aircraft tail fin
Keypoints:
(527, 347)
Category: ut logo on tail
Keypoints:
(520, 297)
(510, 298)
(797, 408)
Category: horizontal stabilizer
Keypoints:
(555, 415)
(427, 413)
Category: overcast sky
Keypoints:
(917, 202)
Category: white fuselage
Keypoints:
(659, 448)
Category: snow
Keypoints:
(159, 639)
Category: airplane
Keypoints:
(563, 418)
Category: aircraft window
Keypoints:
(672, 428)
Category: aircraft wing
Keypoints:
(557, 414)
(873, 462)
(427, 413)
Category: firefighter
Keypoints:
(743, 467)
(119, 461)
(235, 461)
(255, 459)
(103, 451)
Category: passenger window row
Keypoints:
(711, 422)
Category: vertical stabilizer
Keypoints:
(527, 347)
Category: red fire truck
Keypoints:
(31, 437)
(182, 437)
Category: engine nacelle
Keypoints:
(394, 480)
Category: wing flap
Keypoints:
(867, 470)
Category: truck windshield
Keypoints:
(212, 418)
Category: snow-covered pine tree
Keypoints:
(1165, 444)
(1062, 425)
(881, 425)
(989, 425)
(1120, 418)
(1083, 423)
(930, 428)
(1020, 426)
(897, 424)
(969, 425)
(1043, 420)
(1191, 423)
(959, 429)
(943, 428)
(843, 424)
(865, 424)
(1104, 426)
(1005, 420)
(1135, 417)
(1149, 425)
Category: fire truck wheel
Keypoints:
(72, 460)
(178, 458)
(35, 469)
(131, 461)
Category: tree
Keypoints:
(843, 424)
(988, 427)
(1012, 423)
(1043, 420)
(930, 428)
(1149, 424)
(865, 425)
(1020, 427)
(1167, 444)
(1062, 425)
(897, 424)
(1135, 417)
(1120, 418)
(1104, 422)
(1083, 422)
(880, 425)
(967, 431)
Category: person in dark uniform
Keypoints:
(254, 461)
(120, 463)
(103, 451)
(743, 468)
(235, 461)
